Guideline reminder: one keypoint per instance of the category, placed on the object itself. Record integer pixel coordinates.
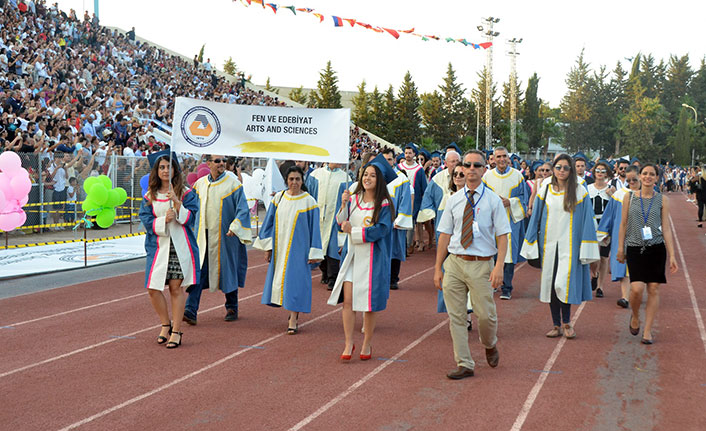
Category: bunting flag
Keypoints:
(338, 22)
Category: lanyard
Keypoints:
(473, 204)
(642, 208)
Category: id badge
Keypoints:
(476, 229)
(646, 233)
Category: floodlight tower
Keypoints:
(513, 91)
(486, 28)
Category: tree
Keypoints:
(682, 141)
(453, 107)
(504, 124)
(298, 95)
(576, 107)
(377, 112)
(479, 95)
(618, 102)
(327, 94)
(676, 87)
(531, 121)
(361, 108)
(388, 122)
(644, 119)
(200, 58)
(408, 118)
(431, 110)
(269, 87)
(229, 67)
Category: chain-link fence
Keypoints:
(57, 185)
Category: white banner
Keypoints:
(318, 135)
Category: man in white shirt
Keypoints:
(473, 228)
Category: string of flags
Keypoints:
(340, 22)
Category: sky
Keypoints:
(292, 50)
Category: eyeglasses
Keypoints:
(565, 168)
(621, 168)
(473, 165)
(632, 180)
(458, 174)
(600, 171)
(218, 160)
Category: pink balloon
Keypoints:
(22, 218)
(10, 162)
(2, 200)
(9, 222)
(21, 185)
(202, 172)
(22, 202)
(5, 186)
(191, 178)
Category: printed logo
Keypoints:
(367, 221)
(200, 126)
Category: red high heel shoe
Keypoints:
(348, 357)
(368, 356)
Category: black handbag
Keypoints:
(537, 263)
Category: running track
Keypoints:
(84, 356)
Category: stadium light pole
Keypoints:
(696, 121)
(489, 35)
(513, 92)
(477, 118)
(95, 8)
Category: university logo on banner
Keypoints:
(205, 127)
(200, 126)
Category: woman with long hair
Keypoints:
(168, 212)
(542, 170)
(291, 238)
(363, 283)
(646, 244)
(562, 234)
(600, 192)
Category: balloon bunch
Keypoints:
(14, 191)
(101, 199)
(201, 171)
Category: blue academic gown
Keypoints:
(303, 243)
(402, 201)
(185, 245)
(312, 185)
(235, 216)
(610, 227)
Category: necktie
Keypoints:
(467, 225)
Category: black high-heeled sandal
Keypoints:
(174, 344)
(162, 339)
(292, 331)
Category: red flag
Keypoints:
(319, 16)
(392, 32)
(486, 45)
(411, 30)
(362, 24)
(350, 21)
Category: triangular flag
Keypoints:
(392, 32)
(486, 45)
(305, 9)
(424, 38)
(338, 22)
(319, 16)
(273, 6)
(376, 29)
(292, 8)
(411, 30)
(350, 21)
(261, 2)
(450, 39)
(362, 24)
(243, 2)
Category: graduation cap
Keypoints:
(413, 147)
(634, 159)
(435, 154)
(536, 164)
(581, 156)
(455, 147)
(154, 157)
(591, 164)
(488, 153)
(399, 158)
(381, 163)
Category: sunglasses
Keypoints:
(218, 160)
(632, 180)
(600, 171)
(458, 174)
(565, 168)
(622, 168)
(473, 165)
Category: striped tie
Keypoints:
(467, 226)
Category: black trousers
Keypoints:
(701, 204)
(395, 271)
(329, 269)
(561, 313)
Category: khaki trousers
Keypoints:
(461, 278)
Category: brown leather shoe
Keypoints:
(460, 373)
(493, 356)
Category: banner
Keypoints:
(317, 135)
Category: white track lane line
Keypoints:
(690, 286)
(532, 396)
(306, 421)
(94, 305)
(190, 375)
(215, 364)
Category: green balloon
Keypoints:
(113, 198)
(122, 194)
(90, 182)
(89, 205)
(105, 218)
(105, 180)
(98, 194)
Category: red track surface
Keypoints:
(69, 369)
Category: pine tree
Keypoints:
(676, 87)
(327, 94)
(479, 95)
(504, 124)
(377, 112)
(453, 104)
(682, 141)
(531, 121)
(576, 108)
(697, 89)
(229, 67)
(390, 118)
(312, 100)
(408, 118)
(361, 108)
(431, 110)
(644, 119)
(269, 87)
(618, 103)
(298, 95)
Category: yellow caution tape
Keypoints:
(68, 241)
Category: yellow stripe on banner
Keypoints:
(68, 241)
